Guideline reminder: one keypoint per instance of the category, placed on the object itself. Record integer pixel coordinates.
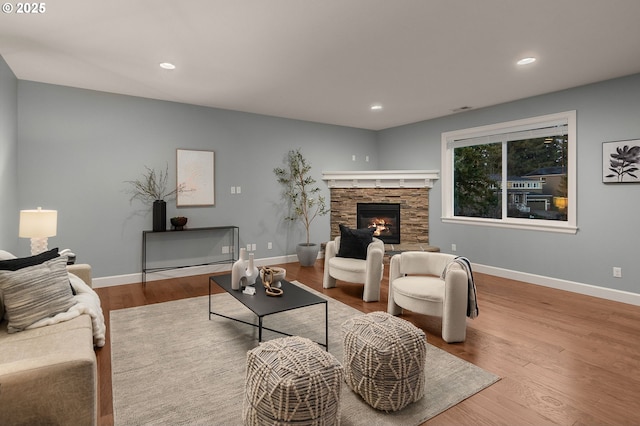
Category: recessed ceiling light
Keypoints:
(526, 61)
(167, 66)
(376, 107)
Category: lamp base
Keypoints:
(38, 245)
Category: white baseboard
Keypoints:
(182, 272)
(572, 286)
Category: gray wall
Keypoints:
(9, 211)
(77, 147)
(607, 214)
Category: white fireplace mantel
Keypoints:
(381, 179)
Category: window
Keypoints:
(519, 174)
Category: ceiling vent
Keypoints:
(463, 108)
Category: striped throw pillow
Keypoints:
(36, 292)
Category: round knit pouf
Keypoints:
(384, 359)
(291, 380)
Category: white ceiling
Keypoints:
(326, 60)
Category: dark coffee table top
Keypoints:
(261, 304)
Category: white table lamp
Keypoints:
(38, 225)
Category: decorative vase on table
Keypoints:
(159, 215)
(239, 271)
(252, 271)
(307, 253)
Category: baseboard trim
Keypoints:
(182, 272)
(559, 284)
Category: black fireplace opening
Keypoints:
(384, 217)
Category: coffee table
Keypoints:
(294, 297)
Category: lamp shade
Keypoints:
(38, 223)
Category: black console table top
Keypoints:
(206, 228)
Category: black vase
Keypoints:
(159, 215)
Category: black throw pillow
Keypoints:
(23, 262)
(354, 242)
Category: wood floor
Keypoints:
(563, 358)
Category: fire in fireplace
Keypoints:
(384, 217)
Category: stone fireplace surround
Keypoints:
(409, 188)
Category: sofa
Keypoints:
(48, 369)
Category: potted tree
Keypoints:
(305, 202)
(152, 189)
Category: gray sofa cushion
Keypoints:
(49, 375)
(35, 292)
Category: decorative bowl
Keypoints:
(178, 222)
(278, 275)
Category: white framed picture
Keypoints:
(621, 161)
(195, 176)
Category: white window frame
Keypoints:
(493, 133)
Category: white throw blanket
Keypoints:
(87, 302)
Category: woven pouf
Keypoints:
(384, 360)
(291, 380)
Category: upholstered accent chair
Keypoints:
(416, 283)
(367, 270)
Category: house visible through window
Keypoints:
(517, 174)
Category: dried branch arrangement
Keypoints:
(153, 186)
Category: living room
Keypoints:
(73, 149)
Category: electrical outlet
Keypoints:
(617, 272)
(353, 158)
(453, 247)
(248, 247)
(253, 247)
(269, 245)
(233, 189)
(225, 249)
(238, 190)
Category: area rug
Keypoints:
(172, 365)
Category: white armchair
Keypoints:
(416, 284)
(367, 271)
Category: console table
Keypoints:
(231, 232)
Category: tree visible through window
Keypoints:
(477, 189)
(517, 173)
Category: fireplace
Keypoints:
(409, 188)
(384, 217)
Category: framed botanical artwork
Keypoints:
(195, 178)
(621, 161)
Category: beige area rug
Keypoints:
(171, 365)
